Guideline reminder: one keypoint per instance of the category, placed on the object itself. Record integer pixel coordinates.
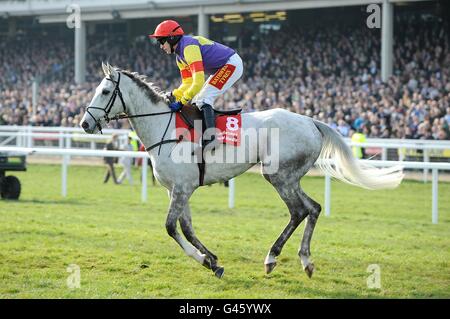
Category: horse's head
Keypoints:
(107, 102)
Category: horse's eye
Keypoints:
(105, 92)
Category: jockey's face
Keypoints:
(164, 45)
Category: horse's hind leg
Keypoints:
(210, 261)
(304, 251)
(288, 188)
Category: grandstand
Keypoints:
(317, 58)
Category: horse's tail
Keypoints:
(347, 168)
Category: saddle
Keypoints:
(191, 113)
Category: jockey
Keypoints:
(196, 57)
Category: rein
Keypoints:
(117, 117)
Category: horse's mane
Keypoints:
(153, 92)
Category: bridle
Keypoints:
(117, 117)
(110, 104)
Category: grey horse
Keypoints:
(299, 142)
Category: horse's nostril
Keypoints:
(85, 125)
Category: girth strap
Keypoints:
(162, 138)
(148, 149)
(201, 171)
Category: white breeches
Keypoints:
(220, 82)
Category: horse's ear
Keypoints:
(104, 68)
(112, 72)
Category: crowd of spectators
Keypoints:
(331, 73)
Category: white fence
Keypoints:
(54, 129)
(66, 137)
(27, 136)
(66, 153)
(384, 145)
(435, 167)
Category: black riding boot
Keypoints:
(209, 118)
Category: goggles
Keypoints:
(161, 40)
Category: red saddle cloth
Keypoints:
(228, 127)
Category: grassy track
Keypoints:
(123, 251)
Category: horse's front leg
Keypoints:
(179, 197)
(188, 231)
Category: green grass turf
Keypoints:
(123, 251)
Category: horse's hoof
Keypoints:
(207, 264)
(309, 269)
(219, 272)
(269, 267)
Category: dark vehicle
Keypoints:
(10, 185)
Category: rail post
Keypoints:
(65, 164)
(144, 180)
(231, 193)
(434, 196)
(327, 194)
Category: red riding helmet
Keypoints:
(167, 28)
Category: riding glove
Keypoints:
(175, 106)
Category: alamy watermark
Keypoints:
(256, 145)
(74, 19)
(74, 279)
(374, 279)
(374, 19)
